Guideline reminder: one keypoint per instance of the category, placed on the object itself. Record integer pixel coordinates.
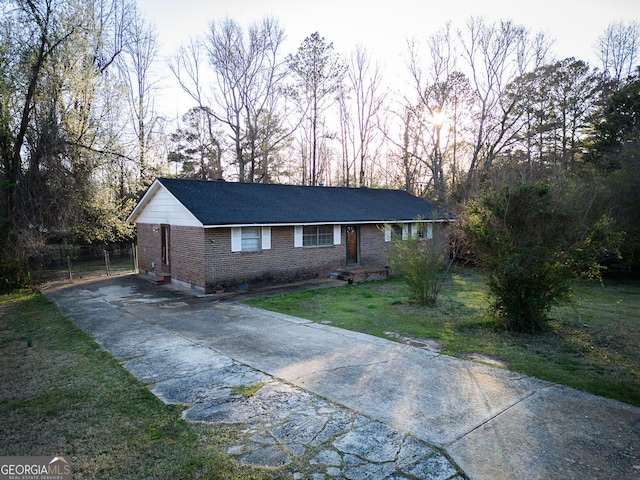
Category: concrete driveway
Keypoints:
(351, 405)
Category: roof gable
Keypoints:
(219, 203)
(158, 205)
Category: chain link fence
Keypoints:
(69, 262)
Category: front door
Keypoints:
(165, 242)
(353, 245)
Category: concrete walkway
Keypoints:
(338, 404)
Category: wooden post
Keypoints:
(134, 254)
(69, 266)
(106, 262)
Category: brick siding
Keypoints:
(186, 252)
(282, 263)
(149, 245)
(373, 248)
(203, 257)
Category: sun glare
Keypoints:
(438, 117)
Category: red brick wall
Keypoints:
(203, 257)
(187, 255)
(282, 263)
(186, 252)
(149, 245)
(373, 251)
(373, 248)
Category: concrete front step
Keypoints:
(361, 274)
(161, 279)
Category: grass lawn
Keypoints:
(592, 345)
(63, 395)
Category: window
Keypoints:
(250, 239)
(317, 235)
(396, 231)
(423, 231)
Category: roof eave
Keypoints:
(356, 222)
(152, 190)
(143, 201)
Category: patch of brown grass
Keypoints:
(64, 395)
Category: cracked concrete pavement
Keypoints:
(339, 404)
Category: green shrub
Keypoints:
(13, 275)
(535, 242)
(422, 264)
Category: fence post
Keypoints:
(134, 255)
(69, 267)
(106, 262)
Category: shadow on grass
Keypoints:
(64, 395)
(592, 344)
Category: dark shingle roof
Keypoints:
(231, 203)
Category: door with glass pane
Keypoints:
(165, 242)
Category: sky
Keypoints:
(383, 27)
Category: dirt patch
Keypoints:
(488, 359)
(430, 344)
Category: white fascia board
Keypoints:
(293, 224)
(439, 220)
(306, 224)
(288, 224)
(155, 188)
(143, 201)
(193, 221)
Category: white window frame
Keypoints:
(327, 236)
(422, 231)
(388, 231)
(298, 236)
(266, 238)
(263, 243)
(412, 230)
(250, 239)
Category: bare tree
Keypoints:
(188, 66)
(247, 72)
(432, 93)
(443, 100)
(33, 46)
(346, 139)
(55, 96)
(410, 159)
(364, 85)
(496, 55)
(136, 68)
(405, 149)
(617, 49)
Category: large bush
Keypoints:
(13, 275)
(535, 241)
(422, 264)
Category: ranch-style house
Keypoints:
(217, 235)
